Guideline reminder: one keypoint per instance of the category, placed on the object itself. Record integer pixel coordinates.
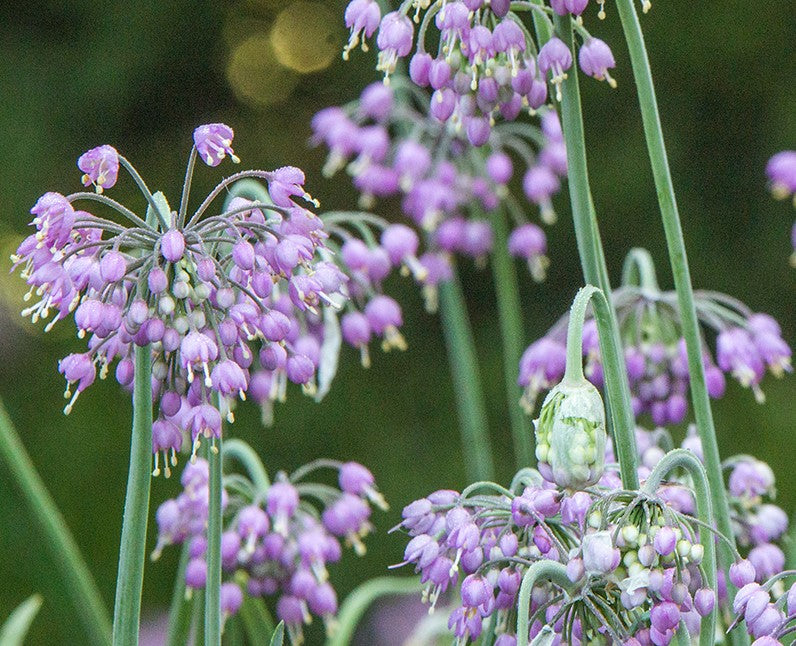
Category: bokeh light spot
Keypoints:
(255, 74)
(306, 36)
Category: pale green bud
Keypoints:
(570, 434)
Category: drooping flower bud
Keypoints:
(570, 435)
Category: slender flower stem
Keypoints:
(181, 608)
(587, 233)
(132, 550)
(541, 570)
(186, 187)
(466, 382)
(161, 217)
(681, 458)
(616, 388)
(360, 600)
(213, 586)
(680, 271)
(63, 550)
(511, 331)
(248, 458)
(640, 270)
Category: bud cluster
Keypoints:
(277, 542)
(484, 64)
(233, 303)
(634, 562)
(748, 345)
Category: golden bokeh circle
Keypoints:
(306, 36)
(256, 75)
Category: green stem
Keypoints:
(680, 271)
(360, 599)
(616, 387)
(238, 450)
(214, 528)
(541, 570)
(639, 270)
(587, 233)
(466, 383)
(181, 609)
(511, 331)
(682, 458)
(63, 549)
(132, 550)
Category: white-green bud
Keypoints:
(570, 435)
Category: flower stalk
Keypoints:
(511, 329)
(66, 555)
(468, 390)
(539, 571)
(214, 529)
(132, 550)
(682, 278)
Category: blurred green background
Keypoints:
(142, 75)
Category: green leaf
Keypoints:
(330, 352)
(278, 638)
(18, 623)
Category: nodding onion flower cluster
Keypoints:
(758, 524)
(632, 560)
(275, 541)
(448, 189)
(232, 301)
(479, 57)
(781, 171)
(747, 345)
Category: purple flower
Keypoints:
(101, 167)
(555, 57)
(213, 142)
(595, 59)
(781, 171)
(362, 18)
(394, 41)
(54, 220)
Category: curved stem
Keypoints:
(467, 388)
(360, 599)
(511, 329)
(680, 271)
(639, 270)
(616, 386)
(59, 540)
(682, 458)
(214, 528)
(161, 217)
(248, 458)
(541, 570)
(132, 550)
(181, 609)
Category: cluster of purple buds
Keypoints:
(634, 562)
(748, 345)
(768, 610)
(231, 301)
(276, 543)
(758, 524)
(449, 192)
(486, 65)
(781, 171)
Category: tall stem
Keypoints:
(680, 271)
(587, 233)
(213, 585)
(181, 607)
(468, 391)
(132, 550)
(64, 552)
(511, 332)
